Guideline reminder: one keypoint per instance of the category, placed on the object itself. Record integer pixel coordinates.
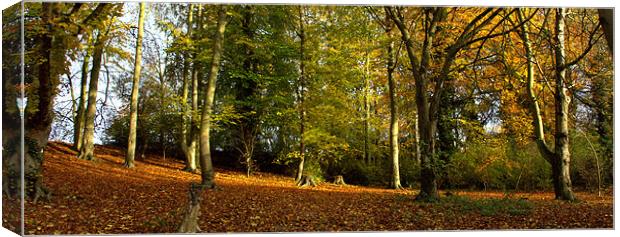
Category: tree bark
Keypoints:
(88, 145)
(196, 74)
(395, 182)
(189, 224)
(78, 129)
(301, 88)
(133, 107)
(246, 95)
(187, 145)
(560, 157)
(206, 164)
(606, 17)
(427, 123)
(561, 165)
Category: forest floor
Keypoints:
(103, 197)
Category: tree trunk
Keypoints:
(302, 111)
(206, 165)
(45, 72)
(446, 127)
(560, 158)
(561, 164)
(339, 180)
(395, 182)
(133, 108)
(78, 129)
(246, 94)
(88, 145)
(306, 180)
(606, 17)
(194, 143)
(417, 138)
(189, 224)
(367, 110)
(426, 122)
(187, 146)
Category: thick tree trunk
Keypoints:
(133, 107)
(78, 129)
(206, 164)
(194, 132)
(428, 176)
(189, 224)
(339, 180)
(306, 180)
(560, 158)
(427, 123)
(186, 134)
(37, 120)
(302, 83)
(561, 165)
(395, 182)
(446, 127)
(606, 17)
(88, 145)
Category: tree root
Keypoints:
(425, 197)
(396, 186)
(42, 192)
(189, 224)
(129, 165)
(306, 180)
(339, 180)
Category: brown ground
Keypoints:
(104, 197)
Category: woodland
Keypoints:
(191, 117)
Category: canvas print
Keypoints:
(159, 117)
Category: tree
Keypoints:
(81, 115)
(206, 165)
(606, 17)
(51, 51)
(393, 111)
(430, 84)
(133, 111)
(88, 145)
(300, 92)
(188, 143)
(559, 156)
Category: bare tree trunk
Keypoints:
(133, 108)
(561, 165)
(426, 122)
(186, 134)
(301, 88)
(88, 145)
(189, 224)
(395, 182)
(606, 17)
(78, 129)
(206, 165)
(194, 143)
(560, 158)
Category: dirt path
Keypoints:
(103, 197)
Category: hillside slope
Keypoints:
(104, 197)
